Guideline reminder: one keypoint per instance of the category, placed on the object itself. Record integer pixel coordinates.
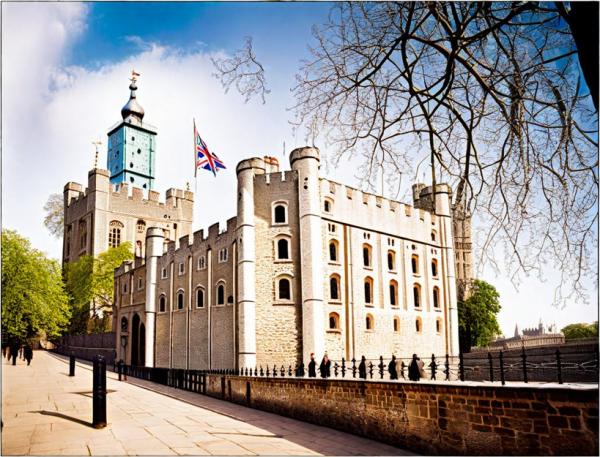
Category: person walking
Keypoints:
(14, 351)
(413, 369)
(362, 368)
(28, 353)
(392, 368)
(325, 367)
(312, 366)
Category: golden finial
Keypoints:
(134, 76)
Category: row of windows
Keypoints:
(199, 298)
(334, 323)
(223, 255)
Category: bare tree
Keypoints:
(54, 219)
(242, 70)
(489, 95)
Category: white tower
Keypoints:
(154, 249)
(306, 162)
(246, 264)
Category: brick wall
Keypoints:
(433, 419)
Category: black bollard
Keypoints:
(72, 364)
(120, 368)
(99, 392)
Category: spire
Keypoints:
(133, 108)
(517, 332)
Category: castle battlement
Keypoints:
(76, 194)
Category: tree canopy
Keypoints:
(55, 216)
(477, 324)
(580, 330)
(33, 297)
(486, 96)
(90, 283)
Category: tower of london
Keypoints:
(306, 265)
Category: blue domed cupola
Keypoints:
(132, 145)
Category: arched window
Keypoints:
(438, 325)
(433, 235)
(418, 325)
(114, 234)
(391, 258)
(436, 297)
(199, 297)
(414, 262)
(334, 287)
(328, 205)
(180, 299)
(284, 289)
(366, 255)
(141, 226)
(282, 249)
(82, 234)
(334, 321)
(434, 268)
(280, 213)
(417, 295)
(370, 322)
(396, 324)
(221, 294)
(368, 290)
(162, 304)
(393, 293)
(333, 251)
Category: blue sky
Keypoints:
(73, 82)
(280, 30)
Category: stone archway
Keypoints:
(135, 340)
(142, 345)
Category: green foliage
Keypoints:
(477, 316)
(55, 216)
(33, 296)
(90, 281)
(580, 330)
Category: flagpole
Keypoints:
(195, 159)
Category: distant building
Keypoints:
(530, 337)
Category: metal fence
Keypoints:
(491, 367)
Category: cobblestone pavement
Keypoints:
(46, 412)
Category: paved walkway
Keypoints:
(46, 412)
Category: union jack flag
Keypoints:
(204, 158)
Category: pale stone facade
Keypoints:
(307, 265)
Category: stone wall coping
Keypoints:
(478, 384)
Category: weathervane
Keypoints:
(96, 143)
(134, 76)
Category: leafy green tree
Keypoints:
(33, 297)
(580, 330)
(477, 322)
(55, 215)
(90, 283)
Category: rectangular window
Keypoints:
(140, 283)
(124, 287)
(223, 255)
(163, 273)
(201, 262)
(181, 268)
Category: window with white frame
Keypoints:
(280, 213)
(201, 262)
(222, 255)
(181, 268)
(283, 249)
(163, 273)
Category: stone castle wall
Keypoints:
(432, 418)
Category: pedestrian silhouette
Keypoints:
(325, 366)
(413, 369)
(28, 354)
(392, 368)
(312, 366)
(362, 368)
(14, 351)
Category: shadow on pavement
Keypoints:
(63, 416)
